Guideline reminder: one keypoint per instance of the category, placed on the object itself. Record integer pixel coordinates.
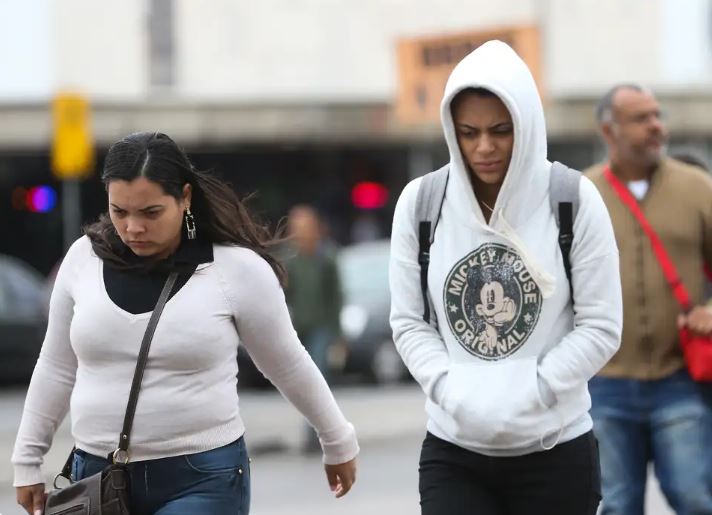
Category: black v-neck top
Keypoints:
(137, 291)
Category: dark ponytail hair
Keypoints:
(220, 215)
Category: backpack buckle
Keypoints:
(566, 239)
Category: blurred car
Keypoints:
(22, 319)
(363, 271)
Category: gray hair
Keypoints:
(604, 108)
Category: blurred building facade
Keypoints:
(298, 98)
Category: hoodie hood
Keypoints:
(496, 67)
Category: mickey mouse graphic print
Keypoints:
(492, 302)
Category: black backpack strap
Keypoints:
(431, 195)
(566, 238)
(564, 198)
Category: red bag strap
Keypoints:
(669, 270)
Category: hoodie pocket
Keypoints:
(497, 405)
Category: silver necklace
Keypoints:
(485, 204)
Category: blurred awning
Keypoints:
(29, 126)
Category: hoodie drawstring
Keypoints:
(545, 281)
(559, 432)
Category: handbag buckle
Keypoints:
(120, 457)
(56, 479)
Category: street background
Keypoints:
(390, 424)
(331, 103)
(307, 101)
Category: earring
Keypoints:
(190, 224)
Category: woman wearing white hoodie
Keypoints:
(506, 361)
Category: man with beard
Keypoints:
(646, 408)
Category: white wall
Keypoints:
(25, 61)
(322, 51)
(314, 50)
(99, 47)
(665, 44)
(344, 50)
(687, 44)
(593, 44)
(96, 47)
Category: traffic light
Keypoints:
(369, 195)
(38, 199)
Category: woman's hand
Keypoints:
(32, 498)
(341, 477)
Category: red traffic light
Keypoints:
(369, 195)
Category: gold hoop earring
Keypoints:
(190, 224)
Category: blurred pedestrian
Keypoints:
(313, 292)
(646, 408)
(506, 366)
(187, 451)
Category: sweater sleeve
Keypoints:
(598, 311)
(419, 344)
(264, 327)
(47, 401)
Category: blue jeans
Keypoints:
(665, 422)
(215, 482)
(317, 342)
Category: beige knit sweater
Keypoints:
(678, 205)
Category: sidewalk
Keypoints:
(389, 416)
(273, 425)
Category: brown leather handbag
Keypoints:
(107, 492)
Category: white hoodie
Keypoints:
(505, 368)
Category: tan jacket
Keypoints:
(678, 205)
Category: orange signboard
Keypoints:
(425, 63)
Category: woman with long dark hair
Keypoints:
(187, 451)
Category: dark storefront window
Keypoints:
(34, 237)
(279, 178)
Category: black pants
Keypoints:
(565, 480)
